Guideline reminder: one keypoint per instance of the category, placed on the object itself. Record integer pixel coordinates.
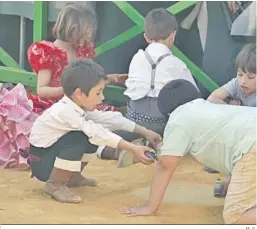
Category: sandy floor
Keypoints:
(188, 199)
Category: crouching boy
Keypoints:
(63, 136)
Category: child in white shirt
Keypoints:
(149, 71)
(63, 136)
(152, 68)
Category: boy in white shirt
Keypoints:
(64, 134)
(149, 71)
(152, 68)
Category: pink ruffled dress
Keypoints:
(16, 120)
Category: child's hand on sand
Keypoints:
(139, 152)
(138, 211)
(154, 138)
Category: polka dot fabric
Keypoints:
(45, 55)
(16, 120)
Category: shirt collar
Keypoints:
(70, 103)
(160, 48)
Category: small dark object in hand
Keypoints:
(151, 155)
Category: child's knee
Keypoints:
(40, 172)
(79, 142)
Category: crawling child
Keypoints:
(222, 137)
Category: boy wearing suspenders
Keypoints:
(149, 71)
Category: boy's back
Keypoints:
(169, 68)
(210, 131)
(160, 28)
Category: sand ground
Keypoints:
(189, 198)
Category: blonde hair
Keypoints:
(74, 23)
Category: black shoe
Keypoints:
(219, 190)
(209, 170)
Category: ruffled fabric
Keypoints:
(45, 55)
(16, 120)
(86, 51)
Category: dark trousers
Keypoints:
(70, 147)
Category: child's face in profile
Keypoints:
(246, 81)
(94, 97)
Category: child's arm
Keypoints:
(139, 151)
(164, 170)
(176, 144)
(221, 94)
(218, 96)
(43, 89)
(98, 135)
(151, 136)
(117, 78)
(115, 121)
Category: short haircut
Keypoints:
(246, 59)
(176, 93)
(159, 24)
(84, 74)
(74, 22)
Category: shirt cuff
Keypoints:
(113, 140)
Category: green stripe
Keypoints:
(180, 6)
(7, 59)
(131, 12)
(196, 71)
(40, 20)
(136, 30)
(137, 18)
(118, 40)
(14, 75)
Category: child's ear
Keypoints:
(78, 92)
(173, 35)
(147, 39)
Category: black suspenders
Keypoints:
(154, 65)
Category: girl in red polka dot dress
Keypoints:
(74, 28)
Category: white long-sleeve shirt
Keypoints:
(139, 76)
(66, 116)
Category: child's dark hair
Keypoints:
(159, 24)
(246, 59)
(176, 93)
(83, 74)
